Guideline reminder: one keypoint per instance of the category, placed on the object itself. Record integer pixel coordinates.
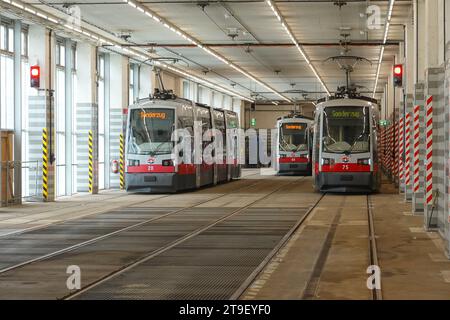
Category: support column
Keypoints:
(118, 97)
(41, 109)
(87, 116)
(419, 147)
(18, 112)
(434, 93)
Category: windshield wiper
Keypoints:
(155, 151)
(354, 143)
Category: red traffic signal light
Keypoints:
(35, 76)
(398, 75)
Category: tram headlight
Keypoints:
(327, 161)
(132, 162)
(167, 163)
(364, 161)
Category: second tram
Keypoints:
(294, 144)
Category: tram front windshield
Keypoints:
(293, 137)
(151, 131)
(346, 130)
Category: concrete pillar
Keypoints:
(41, 108)
(118, 97)
(419, 40)
(18, 111)
(434, 41)
(418, 196)
(87, 115)
(434, 86)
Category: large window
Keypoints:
(60, 121)
(7, 75)
(101, 121)
(74, 116)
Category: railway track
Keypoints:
(325, 260)
(74, 251)
(115, 232)
(373, 251)
(43, 226)
(129, 267)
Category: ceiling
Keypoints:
(261, 45)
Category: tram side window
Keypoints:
(219, 124)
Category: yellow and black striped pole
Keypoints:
(91, 162)
(122, 162)
(45, 164)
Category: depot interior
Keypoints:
(261, 59)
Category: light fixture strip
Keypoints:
(386, 32)
(296, 43)
(136, 5)
(96, 38)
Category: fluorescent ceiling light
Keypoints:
(386, 32)
(294, 40)
(131, 52)
(188, 37)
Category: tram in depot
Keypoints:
(149, 146)
(345, 145)
(294, 144)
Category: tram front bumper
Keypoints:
(151, 182)
(293, 167)
(346, 182)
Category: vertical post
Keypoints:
(416, 149)
(407, 168)
(91, 162)
(17, 112)
(122, 162)
(45, 164)
(400, 149)
(429, 152)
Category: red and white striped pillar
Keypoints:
(407, 168)
(390, 146)
(395, 150)
(429, 151)
(400, 149)
(416, 141)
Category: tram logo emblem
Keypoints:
(151, 160)
(345, 159)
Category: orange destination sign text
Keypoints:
(158, 115)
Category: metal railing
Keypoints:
(7, 185)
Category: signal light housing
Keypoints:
(35, 76)
(398, 75)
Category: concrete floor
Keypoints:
(412, 261)
(326, 258)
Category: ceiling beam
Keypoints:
(262, 45)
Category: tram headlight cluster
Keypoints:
(327, 161)
(167, 163)
(365, 161)
(132, 162)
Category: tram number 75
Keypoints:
(345, 167)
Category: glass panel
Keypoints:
(11, 39)
(293, 137)
(7, 92)
(62, 57)
(60, 124)
(24, 39)
(3, 37)
(150, 131)
(346, 129)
